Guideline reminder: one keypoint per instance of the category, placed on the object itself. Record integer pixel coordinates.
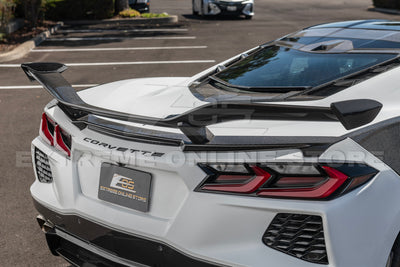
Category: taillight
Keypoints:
(62, 140)
(307, 181)
(54, 135)
(240, 183)
(47, 129)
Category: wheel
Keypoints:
(394, 256)
(194, 12)
(248, 17)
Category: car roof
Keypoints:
(382, 35)
(376, 24)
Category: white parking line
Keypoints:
(19, 87)
(121, 63)
(117, 49)
(120, 38)
(122, 30)
(140, 63)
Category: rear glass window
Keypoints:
(277, 66)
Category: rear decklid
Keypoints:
(193, 122)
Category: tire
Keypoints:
(195, 13)
(248, 17)
(394, 257)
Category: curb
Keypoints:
(27, 46)
(139, 21)
(384, 10)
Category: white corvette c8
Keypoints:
(285, 155)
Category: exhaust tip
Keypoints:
(46, 226)
(41, 220)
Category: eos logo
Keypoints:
(121, 182)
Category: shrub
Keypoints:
(129, 13)
(83, 9)
(154, 15)
(387, 3)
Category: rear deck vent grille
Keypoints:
(298, 235)
(43, 170)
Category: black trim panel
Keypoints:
(251, 143)
(382, 140)
(217, 143)
(127, 246)
(133, 133)
(79, 256)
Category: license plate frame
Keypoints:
(125, 187)
(231, 8)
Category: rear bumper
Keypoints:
(202, 228)
(81, 241)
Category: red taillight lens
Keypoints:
(244, 184)
(54, 135)
(299, 181)
(320, 189)
(47, 129)
(62, 141)
(319, 181)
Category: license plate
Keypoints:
(231, 8)
(125, 187)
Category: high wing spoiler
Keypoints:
(351, 113)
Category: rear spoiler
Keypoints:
(351, 113)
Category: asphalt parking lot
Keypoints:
(98, 54)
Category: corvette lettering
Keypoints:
(123, 149)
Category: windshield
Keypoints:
(277, 66)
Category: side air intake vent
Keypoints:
(298, 235)
(43, 170)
